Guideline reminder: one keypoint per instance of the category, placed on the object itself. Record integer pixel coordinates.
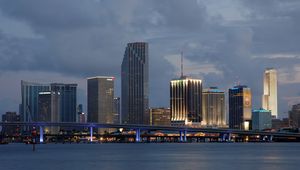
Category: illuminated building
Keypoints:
(213, 107)
(49, 109)
(100, 99)
(261, 119)
(240, 107)
(294, 116)
(269, 99)
(160, 116)
(186, 101)
(135, 84)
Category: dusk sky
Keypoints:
(224, 42)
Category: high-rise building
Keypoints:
(213, 108)
(29, 107)
(160, 116)
(81, 114)
(294, 116)
(135, 84)
(68, 100)
(30, 95)
(240, 105)
(100, 99)
(186, 101)
(261, 119)
(10, 130)
(49, 109)
(117, 110)
(269, 98)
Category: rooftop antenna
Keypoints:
(181, 64)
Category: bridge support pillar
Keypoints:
(137, 135)
(41, 134)
(91, 133)
(271, 138)
(184, 138)
(229, 137)
(180, 136)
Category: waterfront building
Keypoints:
(294, 116)
(213, 107)
(10, 130)
(29, 107)
(186, 101)
(81, 114)
(49, 109)
(261, 119)
(160, 116)
(68, 100)
(135, 84)
(240, 107)
(100, 99)
(117, 110)
(269, 98)
(278, 124)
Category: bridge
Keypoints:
(182, 130)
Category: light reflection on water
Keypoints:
(152, 156)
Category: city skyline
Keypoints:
(219, 43)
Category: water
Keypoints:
(189, 156)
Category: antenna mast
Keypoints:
(181, 64)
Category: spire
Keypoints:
(181, 64)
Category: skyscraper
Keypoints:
(68, 100)
(186, 101)
(213, 112)
(135, 84)
(49, 109)
(100, 99)
(240, 107)
(269, 98)
(29, 107)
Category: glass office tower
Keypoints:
(135, 84)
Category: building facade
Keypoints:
(29, 106)
(49, 109)
(294, 116)
(261, 119)
(117, 110)
(135, 84)
(100, 99)
(240, 107)
(269, 98)
(186, 101)
(68, 100)
(10, 130)
(160, 116)
(213, 107)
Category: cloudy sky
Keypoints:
(224, 42)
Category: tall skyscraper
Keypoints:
(269, 98)
(135, 84)
(68, 100)
(186, 101)
(100, 99)
(49, 109)
(213, 112)
(240, 104)
(30, 93)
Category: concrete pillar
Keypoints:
(138, 135)
(41, 134)
(271, 138)
(180, 136)
(185, 132)
(91, 133)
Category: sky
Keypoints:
(224, 43)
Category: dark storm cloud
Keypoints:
(88, 37)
